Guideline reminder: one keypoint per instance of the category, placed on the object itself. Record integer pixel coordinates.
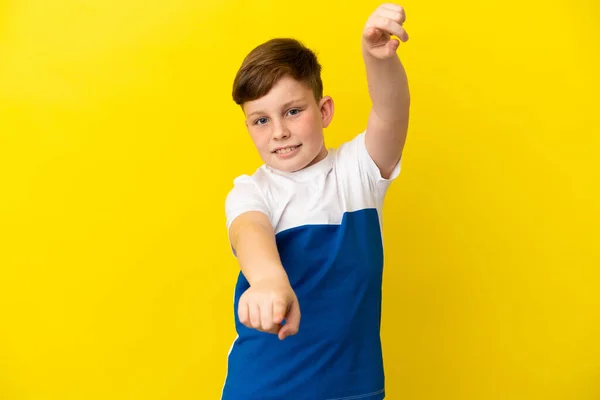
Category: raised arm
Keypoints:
(388, 87)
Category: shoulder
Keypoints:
(250, 192)
(358, 170)
(257, 182)
(356, 150)
(350, 148)
(246, 185)
(352, 156)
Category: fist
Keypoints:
(266, 304)
(386, 20)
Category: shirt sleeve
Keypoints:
(366, 170)
(243, 197)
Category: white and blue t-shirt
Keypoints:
(327, 221)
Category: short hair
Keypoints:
(271, 61)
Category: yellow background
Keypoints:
(119, 142)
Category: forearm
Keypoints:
(388, 88)
(257, 253)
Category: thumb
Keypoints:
(292, 321)
(393, 44)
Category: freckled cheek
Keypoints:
(310, 133)
(302, 129)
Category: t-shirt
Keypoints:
(327, 221)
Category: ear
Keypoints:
(326, 108)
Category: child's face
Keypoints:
(286, 125)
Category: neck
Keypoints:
(321, 156)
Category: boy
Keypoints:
(305, 226)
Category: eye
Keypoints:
(294, 111)
(260, 121)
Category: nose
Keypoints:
(280, 131)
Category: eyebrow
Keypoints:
(285, 105)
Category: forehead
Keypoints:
(284, 91)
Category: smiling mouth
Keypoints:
(286, 150)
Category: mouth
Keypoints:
(286, 150)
